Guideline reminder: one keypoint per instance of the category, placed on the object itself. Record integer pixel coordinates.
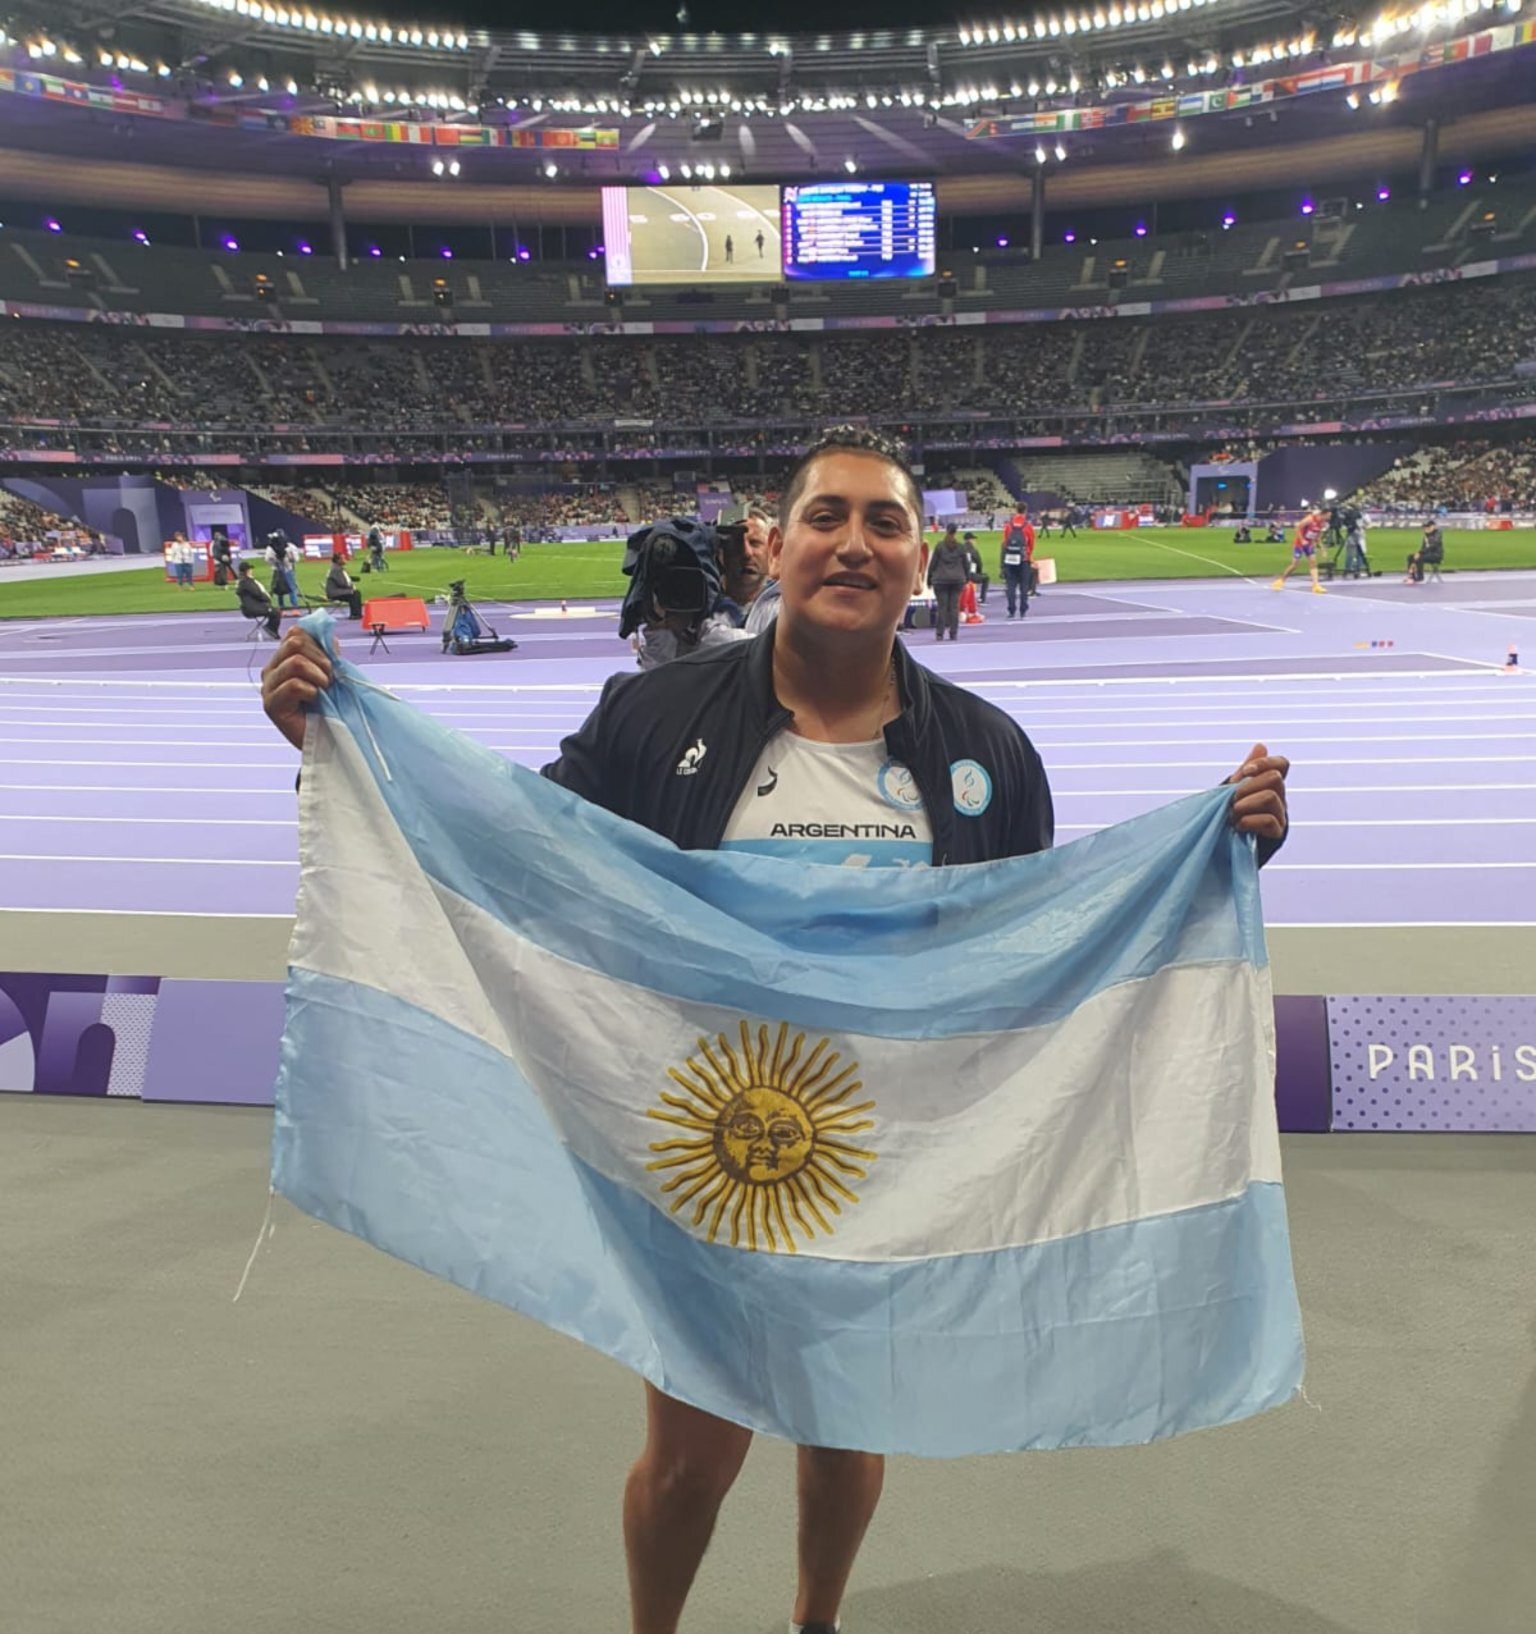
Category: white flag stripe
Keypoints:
(1131, 1083)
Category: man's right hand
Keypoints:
(294, 676)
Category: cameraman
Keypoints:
(1356, 563)
(283, 558)
(676, 604)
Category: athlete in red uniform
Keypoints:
(1309, 533)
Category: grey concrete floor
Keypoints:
(354, 1447)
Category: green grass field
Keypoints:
(589, 571)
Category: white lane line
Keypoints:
(1303, 824)
(1297, 789)
(116, 683)
(545, 723)
(169, 913)
(141, 788)
(190, 822)
(1384, 867)
(184, 862)
(58, 716)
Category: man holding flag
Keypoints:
(822, 741)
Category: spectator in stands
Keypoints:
(948, 570)
(255, 603)
(340, 588)
(1431, 553)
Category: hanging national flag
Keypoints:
(939, 1161)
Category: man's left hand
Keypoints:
(1258, 801)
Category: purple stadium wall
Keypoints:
(1293, 477)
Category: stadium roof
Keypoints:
(1160, 105)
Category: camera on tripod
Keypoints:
(674, 568)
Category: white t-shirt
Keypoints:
(842, 803)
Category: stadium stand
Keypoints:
(1340, 242)
(304, 393)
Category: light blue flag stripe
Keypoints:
(1018, 942)
(432, 1146)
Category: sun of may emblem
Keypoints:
(768, 1151)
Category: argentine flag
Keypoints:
(935, 1161)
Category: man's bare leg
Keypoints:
(671, 1499)
(838, 1494)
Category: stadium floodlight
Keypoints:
(1069, 237)
(1307, 207)
(1178, 139)
(1061, 154)
(231, 242)
(1039, 155)
(551, 169)
(1141, 229)
(453, 167)
(53, 225)
(141, 236)
(438, 167)
(665, 172)
(1464, 179)
(375, 252)
(1383, 194)
(851, 166)
(1228, 221)
(446, 253)
(305, 247)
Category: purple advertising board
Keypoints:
(1341, 1063)
(1433, 1063)
(165, 1039)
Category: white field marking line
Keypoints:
(165, 913)
(1384, 867)
(213, 711)
(1195, 733)
(698, 226)
(1482, 663)
(1340, 822)
(197, 765)
(1294, 789)
(515, 688)
(190, 822)
(512, 720)
(287, 793)
(1065, 680)
(1225, 567)
(1406, 924)
(1369, 690)
(1040, 741)
(118, 682)
(184, 862)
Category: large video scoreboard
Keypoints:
(858, 230)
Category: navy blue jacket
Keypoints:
(672, 749)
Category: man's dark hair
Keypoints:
(851, 440)
(245, 567)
